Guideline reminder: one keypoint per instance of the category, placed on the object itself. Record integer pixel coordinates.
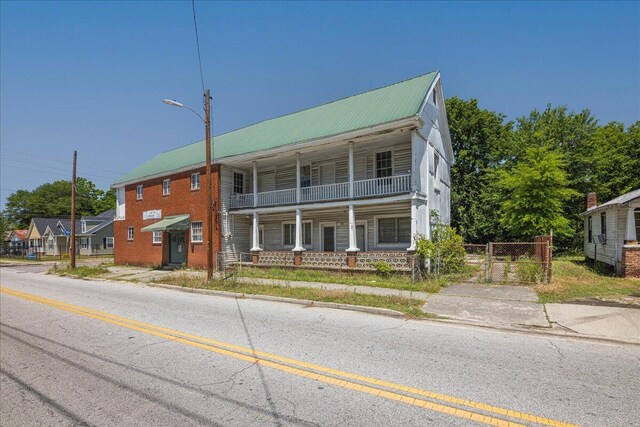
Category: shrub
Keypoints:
(444, 253)
(383, 269)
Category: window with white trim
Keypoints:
(436, 170)
(289, 233)
(238, 183)
(305, 176)
(157, 237)
(394, 230)
(196, 232)
(139, 192)
(130, 233)
(84, 226)
(603, 226)
(84, 243)
(166, 187)
(108, 243)
(195, 181)
(384, 164)
(590, 229)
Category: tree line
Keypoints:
(513, 180)
(54, 199)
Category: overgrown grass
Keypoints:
(394, 281)
(573, 281)
(83, 271)
(409, 306)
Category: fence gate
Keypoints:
(512, 262)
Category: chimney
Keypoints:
(592, 202)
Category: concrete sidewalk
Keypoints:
(496, 306)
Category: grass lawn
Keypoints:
(573, 280)
(81, 271)
(410, 306)
(396, 281)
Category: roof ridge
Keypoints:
(327, 103)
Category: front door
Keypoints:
(328, 238)
(177, 248)
(360, 235)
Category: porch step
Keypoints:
(171, 267)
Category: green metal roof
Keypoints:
(175, 222)
(383, 105)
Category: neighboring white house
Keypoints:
(611, 232)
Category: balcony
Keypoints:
(323, 193)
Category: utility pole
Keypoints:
(73, 212)
(208, 143)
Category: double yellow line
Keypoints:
(373, 386)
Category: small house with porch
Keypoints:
(611, 232)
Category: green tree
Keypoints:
(481, 141)
(54, 199)
(535, 192)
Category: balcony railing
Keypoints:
(382, 186)
(323, 193)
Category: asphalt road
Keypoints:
(173, 358)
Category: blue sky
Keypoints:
(91, 75)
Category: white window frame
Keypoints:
(233, 182)
(191, 234)
(436, 169)
(321, 234)
(293, 223)
(310, 174)
(156, 238)
(376, 232)
(84, 243)
(139, 191)
(375, 161)
(109, 243)
(83, 226)
(130, 233)
(166, 187)
(195, 175)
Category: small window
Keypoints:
(434, 98)
(238, 183)
(384, 164)
(157, 237)
(394, 230)
(84, 243)
(196, 232)
(590, 229)
(436, 166)
(130, 233)
(289, 234)
(195, 181)
(603, 226)
(305, 176)
(108, 243)
(84, 226)
(166, 187)
(139, 192)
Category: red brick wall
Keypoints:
(631, 261)
(182, 200)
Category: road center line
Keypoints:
(303, 369)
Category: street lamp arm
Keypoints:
(195, 112)
(181, 105)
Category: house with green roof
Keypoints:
(340, 185)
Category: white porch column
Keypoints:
(353, 240)
(297, 181)
(255, 235)
(298, 247)
(414, 224)
(255, 184)
(631, 225)
(351, 175)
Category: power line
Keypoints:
(195, 25)
(58, 174)
(59, 161)
(59, 169)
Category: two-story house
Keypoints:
(338, 185)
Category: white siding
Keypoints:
(609, 252)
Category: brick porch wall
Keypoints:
(182, 200)
(631, 261)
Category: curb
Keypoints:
(307, 303)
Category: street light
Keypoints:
(207, 125)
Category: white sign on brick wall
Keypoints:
(156, 214)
